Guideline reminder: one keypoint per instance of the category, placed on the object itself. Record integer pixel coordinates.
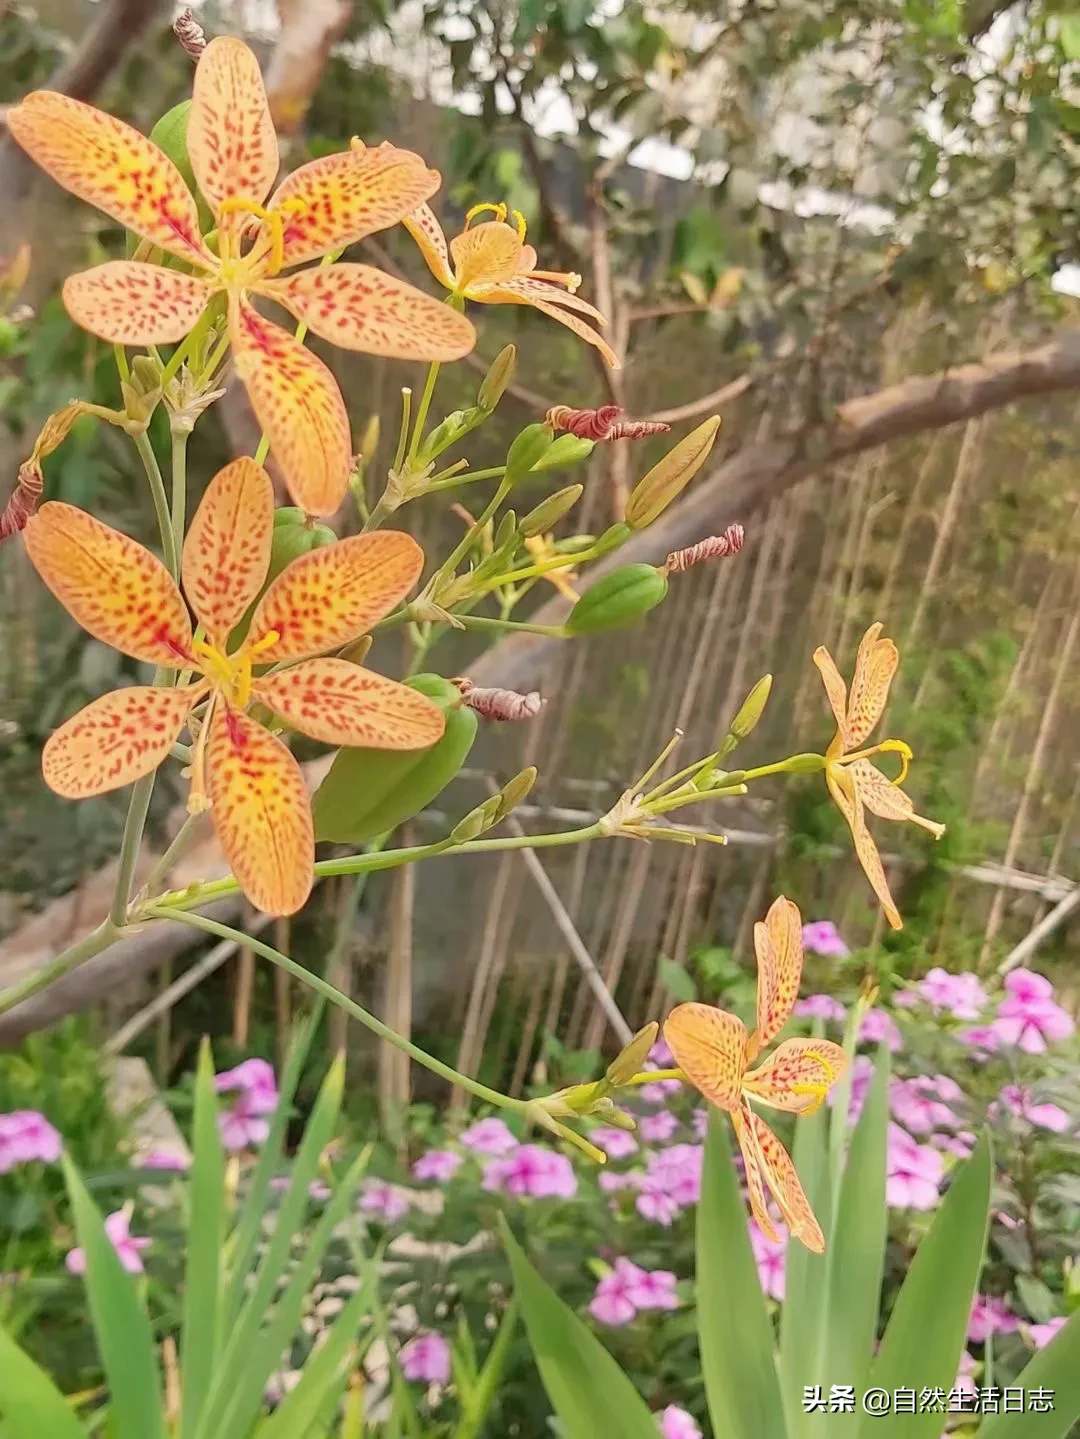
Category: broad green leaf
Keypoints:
(322, 1372)
(734, 1332)
(928, 1324)
(121, 1327)
(199, 1346)
(805, 1273)
(590, 1394)
(29, 1400)
(1055, 1369)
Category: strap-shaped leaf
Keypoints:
(1057, 1369)
(203, 1297)
(30, 1402)
(806, 1273)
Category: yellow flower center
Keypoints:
(231, 674)
(267, 254)
(500, 212)
(887, 746)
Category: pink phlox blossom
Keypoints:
(1017, 1100)
(960, 995)
(820, 1006)
(438, 1164)
(27, 1137)
(699, 1123)
(383, 1201)
(532, 1171)
(960, 1144)
(1041, 1334)
(990, 1315)
(165, 1159)
(879, 1027)
(1028, 1017)
(616, 1143)
(822, 937)
(676, 1423)
(254, 1078)
(127, 1245)
(489, 1136)
(658, 1128)
(915, 1172)
(426, 1359)
(660, 1056)
(610, 1180)
(965, 1374)
(771, 1258)
(658, 1091)
(626, 1289)
(982, 1039)
(919, 1104)
(862, 1073)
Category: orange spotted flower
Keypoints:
(854, 783)
(319, 208)
(492, 264)
(714, 1051)
(124, 596)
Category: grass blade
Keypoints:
(482, 1395)
(29, 1400)
(806, 1274)
(202, 1305)
(1056, 1369)
(323, 1372)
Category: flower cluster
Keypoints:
(128, 1247)
(626, 1290)
(27, 1137)
(244, 1123)
(1026, 1015)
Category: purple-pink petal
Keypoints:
(676, 1423)
(989, 1315)
(820, 1006)
(616, 1143)
(1041, 1334)
(426, 1359)
(489, 1136)
(438, 1164)
(821, 936)
(27, 1137)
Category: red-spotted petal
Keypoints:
(709, 1045)
(885, 799)
(523, 290)
(360, 308)
(755, 1185)
(797, 1075)
(425, 229)
(339, 703)
(230, 137)
(114, 741)
(128, 303)
(779, 1174)
(846, 798)
(778, 945)
(485, 254)
(117, 590)
(336, 200)
(836, 690)
(261, 811)
(297, 401)
(110, 165)
(227, 549)
(875, 665)
(331, 595)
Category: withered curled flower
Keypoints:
(605, 423)
(499, 704)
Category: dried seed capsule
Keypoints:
(714, 547)
(499, 704)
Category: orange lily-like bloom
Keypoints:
(492, 264)
(854, 783)
(123, 595)
(715, 1052)
(319, 208)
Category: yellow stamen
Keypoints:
(519, 221)
(272, 239)
(499, 211)
(887, 746)
(198, 799)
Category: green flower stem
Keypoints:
(447, 481)
(461, 549)
(335, 996)
(424, 407)
(179, 490)
(403, 432)
(78, 953)
(543, 567)
(216, 357)
(482, 622)
(134, 824)
(263, 450)
(161, 503)
(172, 852)
(652, 1076)
(121, 362)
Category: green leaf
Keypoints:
(1057, 1369)
(199, 1346)
(590, 1394)
(677, 981)
(29, 1400)
(805, 1273)
(734, 1332)
(121, 1327)
(323, 1371)
(928, 1325)
(483, 1393)
(1069, 34)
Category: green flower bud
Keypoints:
(752, 708)
(500, 373)
(805, 764)
(629, 1062)
(614, 536)
(527, 450)
(669, 477)
(617, 600)
(476, 821)
(566, 450)
(549, 512)
(515, 790)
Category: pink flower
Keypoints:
(654, 1203)
(255, 1078)
(657, 1092)
(658, 1128)
(820, 1006)
(980, 1037)
(915, 1172)
(438, 1164)
(1017, 1100)
(965, 1374)
(25, 1137)
(862, 1072)
(1041, 1334)
(532, 1171)
(126, 1245)
(676, 1423)
(699, 1123)
(917, 1103)
(655, 1289)
(1028, 1016)
(240, 1128)
(660, 1056)
(959, 1144)
(383, 1201)
(672, 1182)
(820, 936)
(616, 1143)
(165, 1159)
(426, 1359)
(962, 995)
(489, 1136)
(626, 1289)
(610, 1180)
(905, 999)
(879, 1027)
(771, 1258)
(989, 1315)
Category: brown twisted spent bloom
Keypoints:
(24, 500)
(190, 33)
(604, 423)
(499, 704)
(715, 547)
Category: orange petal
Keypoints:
(331, 595)
(128, 303)
(118, 591)
(114, 741)
(297, 401)
(755, 1186)
(336, 200)
(780, 1176)
(778, 945)
(487, 253)
(340, 703)
(360, 308)
(227, 549)
(835, 687)
(548, 301)
(709, 1045)
(231, 141)
(875, 665)
(797, 1075)
(428, 234)
(847, 801)
(526, 290)
(112, 166)
(885, 799)
(261, 811)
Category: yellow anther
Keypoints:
(573, 282)
(274, 237)
(499, 211)
(357, 146)
(519, 221)
(897, 746)
(268, 641)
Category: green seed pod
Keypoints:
(370, 791)
(494, 384)
(549, 512)
(618, 600)
(565, 450)
(528, 450)
(669, 477)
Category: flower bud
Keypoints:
(614, 536)
(528, 449)
(669, 477)
(500, 373)
(617, 600)
(515, 790)
(805, 764)
(566, 450)
(629, 1062)
(752, 708)
(369, 441)
(477, 820)
(457, 424)
(549, 512)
